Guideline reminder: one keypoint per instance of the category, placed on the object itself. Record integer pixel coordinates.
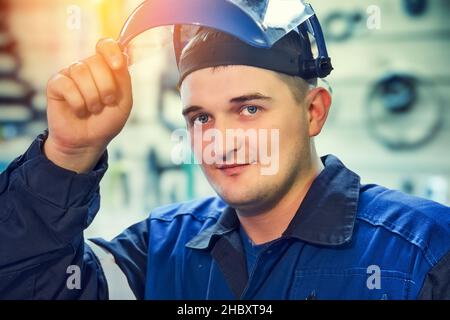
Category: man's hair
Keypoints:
(289, 43)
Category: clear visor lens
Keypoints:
(276, 14)
(257, 22)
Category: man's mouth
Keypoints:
(232, 169)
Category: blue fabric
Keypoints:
(340, 232)
(341, 235)
(43, 212)
(251, 250)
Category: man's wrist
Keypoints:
(79, 160)
(40, 177)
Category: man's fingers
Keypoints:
(123, 78)
(81, 75)
(117, 60)
(110, 50)
(61, 87)
(103, 78)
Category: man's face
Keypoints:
(246, 173)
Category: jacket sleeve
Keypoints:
(129, 254)
(437, 281)
(43, 212)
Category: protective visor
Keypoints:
(259, 23)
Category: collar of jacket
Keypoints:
(326, 215)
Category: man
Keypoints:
(308, 230)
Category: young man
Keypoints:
(308, 230)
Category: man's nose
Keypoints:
(230, 144)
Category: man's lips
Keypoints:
(234, 165)
(232, 169)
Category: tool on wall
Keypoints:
(404, 111)
(341, 25)
(16, 94)
(168, 86)
(415, 8)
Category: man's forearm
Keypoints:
(44, 210)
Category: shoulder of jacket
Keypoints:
(423, 223)
(199, 209)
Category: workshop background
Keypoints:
(390, 119)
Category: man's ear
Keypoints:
(318, 102)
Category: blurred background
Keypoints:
(390, 119)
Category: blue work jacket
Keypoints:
(346, 241)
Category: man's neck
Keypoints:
(269, 225)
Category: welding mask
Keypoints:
(256, 26)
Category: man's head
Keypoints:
(255, 100)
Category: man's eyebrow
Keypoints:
(190, 109)
(239, 99)
(248, 97)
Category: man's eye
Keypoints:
(249, 110)
(200, 119)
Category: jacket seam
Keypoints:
(191, 213)
(387, 225)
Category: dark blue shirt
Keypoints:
(251, 250)
(346, 241)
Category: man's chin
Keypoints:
(240, 198)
